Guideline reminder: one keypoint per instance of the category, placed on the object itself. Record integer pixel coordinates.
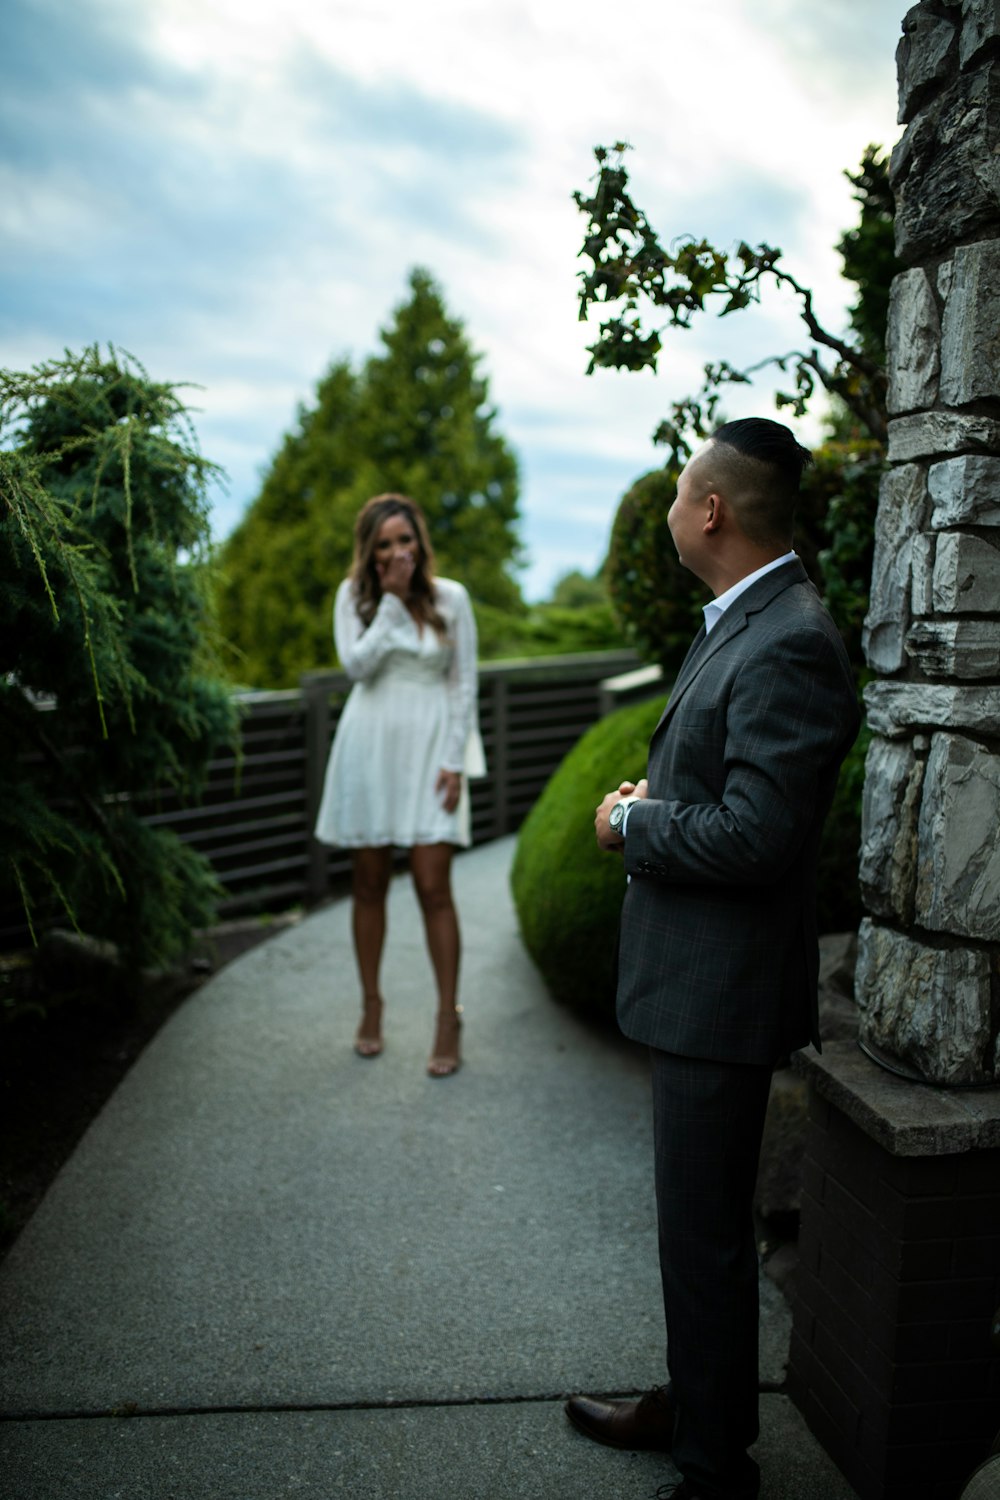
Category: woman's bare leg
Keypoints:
(370, 874)
(431, 867)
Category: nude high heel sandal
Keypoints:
(368, 1042)
(445, 1059)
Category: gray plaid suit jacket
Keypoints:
(719, 954)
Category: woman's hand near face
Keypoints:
(396, 572)
(449, 784)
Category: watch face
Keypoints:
(617, 816)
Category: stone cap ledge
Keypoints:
(906, 1119)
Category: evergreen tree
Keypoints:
(106, 687)
(869, 252)
(576, 590)
(278, 566)
(416, 420)
(427, 427)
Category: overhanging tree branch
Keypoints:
(630, 267)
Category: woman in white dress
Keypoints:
(407, 740)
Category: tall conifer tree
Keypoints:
(417, 420)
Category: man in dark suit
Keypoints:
(718, 953)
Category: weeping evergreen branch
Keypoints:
(110, 689)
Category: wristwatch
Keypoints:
(616, 817)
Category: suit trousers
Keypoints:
(708, 1122)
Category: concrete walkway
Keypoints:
(274, 1269)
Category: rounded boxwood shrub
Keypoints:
(567, 891)
(656, 599)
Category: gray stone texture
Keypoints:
(922, 58)
(889, 817)
(913, 343)
(966, 576)
(958, 862)
(970, 328)
(965, 491)
(980, 27)
(899, 708)
(922, 575)
(927, 979)
(966, 649)
(945, 171)
(901, 511)
(936, 434)
(929, 1007)
(906, 1119)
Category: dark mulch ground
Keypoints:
(64, 1050)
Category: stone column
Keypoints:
(899, 1277)
(928, 976)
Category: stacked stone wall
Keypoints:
(928, 977)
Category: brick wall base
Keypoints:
(891, 1359)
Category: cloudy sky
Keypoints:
(235, 191)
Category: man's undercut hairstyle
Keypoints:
(759, 466)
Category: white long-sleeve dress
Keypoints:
(412, 712)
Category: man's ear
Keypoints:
(713, 511)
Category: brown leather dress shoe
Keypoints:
(647, 1423)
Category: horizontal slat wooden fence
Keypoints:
(254, 820)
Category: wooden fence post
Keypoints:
(257, 834)
(501, 760)
(316, 688)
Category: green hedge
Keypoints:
(568, 893)
(657, 600)
(546, 630)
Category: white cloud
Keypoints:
(237, 189)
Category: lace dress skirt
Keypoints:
(387, 752)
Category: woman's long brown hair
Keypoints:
(364, 574)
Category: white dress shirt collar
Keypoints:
(714, 610)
